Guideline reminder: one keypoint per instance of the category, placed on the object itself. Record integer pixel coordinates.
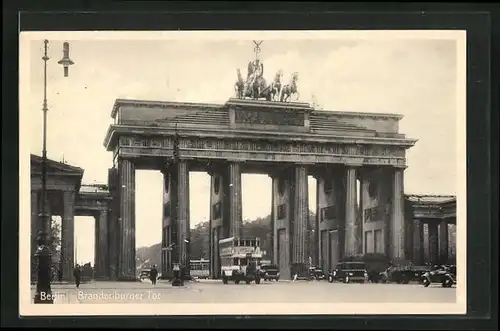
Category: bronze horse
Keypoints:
(290, 89)
(258, 90)
(276, 86)
(239, 86)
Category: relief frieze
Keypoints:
(282, 117)
(269, 146)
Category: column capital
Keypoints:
(69, 193)
(130, 158)
(279, 171)
(165, 165)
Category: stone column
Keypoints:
(183, 212)
(283, 212)
(113, 219)
(418, 242)
(317, 243)
(330, 216)
(101, 244)
(235, 216)
(397, 227)
(443, 241)
(34, 232)
(352, 240)
(168, 219)
(300, 215)
(127, 267)
(273, 226)
(219, 226)
(433, 242)
(68, 235)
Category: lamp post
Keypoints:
(43, 254)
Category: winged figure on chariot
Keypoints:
(256, 87)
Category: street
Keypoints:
(213, 291)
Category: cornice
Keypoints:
(358, 114)
(159, 104)
(253, 134)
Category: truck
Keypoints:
(240, 259)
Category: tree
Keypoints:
(55, 236)
(200, 240)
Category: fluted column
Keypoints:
(272, 253)
(283, 220)
(300, 215)
(212, 227)
(183, 211)
(235, 216)
(397, 227)
(68, 235)
(443, 241)
(168, 220)
(433, 242)
(418, 242)
(352, 241)
(101, 244)
(274, 214)
(219, 222)
(127, 268)
(113, 219)
(317, 219)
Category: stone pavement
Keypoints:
(213, 291)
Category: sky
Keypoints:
(414, 77)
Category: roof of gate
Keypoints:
(203, 116)
(430, 199)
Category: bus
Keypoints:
(240, 259)
(199, 268)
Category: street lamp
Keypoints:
(43, 254)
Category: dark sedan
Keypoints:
(349, 272)
(270, 272)
(403, 274)
(444, 275)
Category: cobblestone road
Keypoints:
(211, 291)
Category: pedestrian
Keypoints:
(77, 273)
(153, 274)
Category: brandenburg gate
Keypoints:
(286, 140)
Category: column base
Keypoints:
(102, 278)
(127, 279)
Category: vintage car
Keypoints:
(316, 273)
(145, 274)
(270, 272)
(444, 275)
(349, 272)
(403, 274)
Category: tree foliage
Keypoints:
(55, 236)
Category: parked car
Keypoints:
(299, 271)
(349, 272)
(445, 275)
(403, 274)
(270, 272)
(144, 274)
(316, 273)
